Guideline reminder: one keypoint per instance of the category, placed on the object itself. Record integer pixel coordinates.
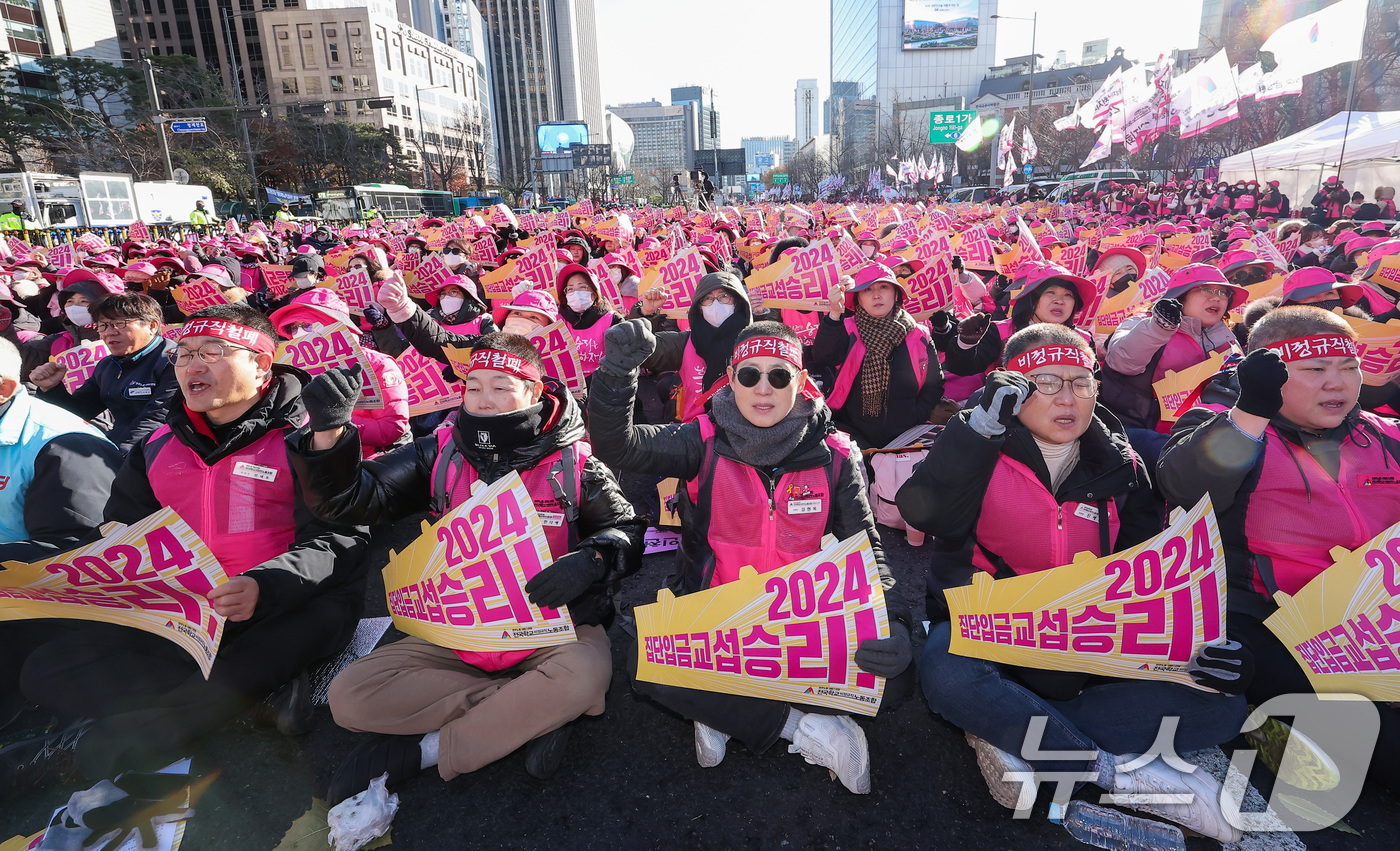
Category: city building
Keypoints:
(777, 148)
(36, 29)
(661, 140)
(805, 103)
(543, 67)
(705, 123)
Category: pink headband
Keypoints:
(1316, 346)
(503, 362)
(768, 347)
(241, 335)
(1051, 356)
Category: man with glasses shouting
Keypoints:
(134, 384)
(296, 584)
(1186, 326)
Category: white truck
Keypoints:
(92, 199)
(163, 202)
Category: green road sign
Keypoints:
(944, 128)
(623, 179)
(780, 178)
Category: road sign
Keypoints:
(780, 178)
(623, 179)
(189, 125)
(1027, 168)
(755, 186)
(763, 160)
(944, 128)
(591, 156)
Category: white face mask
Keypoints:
(302, 281)
(518, 325)
(580, 301)
(716, 312)
(615, 273)
(868, 249)
(78, 314)
(25, 289)
(451, 304)
(451, 259)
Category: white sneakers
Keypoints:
(710, 745)
(838, 743)
(1197, 793)
(996, 764)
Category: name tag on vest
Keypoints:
(1087, 512)
(551, 518)
(254, 471)
(1378, 481)
(135, 390)
(805, 506)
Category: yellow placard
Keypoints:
(81, 362)
(1378, 347)
(1142, 613)
(152, 575)
(459, 359)
(333, 345)
(461, 584)
(1343, 627)
(665, 491)
(1114, 309)
(790, 634)
(1175, 387)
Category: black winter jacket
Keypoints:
(339, 487)
(136, 389)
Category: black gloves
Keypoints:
(1228, 668)
(942, 321)
(1261, 376)
(1002, 395)
(1167, 313)
(971, 329)
(886, 657)
(626, 346)
(331, 396)
(567, 578)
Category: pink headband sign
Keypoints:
(1316, 346)
(768, 347)
(240, 335)
(1050, 356)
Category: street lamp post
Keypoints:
(236, 72)
(1030, 91)
(422, 147)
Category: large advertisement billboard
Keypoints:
(940, 24)
(556, 138)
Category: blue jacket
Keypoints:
(55, 475)
(136, 389)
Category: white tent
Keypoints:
(1302, 161)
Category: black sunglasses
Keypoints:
(777, 378)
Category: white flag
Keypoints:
(1006, 141)
(1062, 124)
(1010, 176)
(1204, 97)
(1101, 148)
(1109, 95)
(1028, 149)
(1320, 40)
(955, 166)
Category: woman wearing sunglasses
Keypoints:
(1034, 474)
(768, 476)
(888, 378)
(1186, 325)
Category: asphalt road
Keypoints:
(629, 780)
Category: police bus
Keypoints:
(349, 203)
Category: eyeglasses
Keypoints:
(1218, 292)
(1051, 385)
(209, 353)
(115, 325)
(777, 378)
(722, 297)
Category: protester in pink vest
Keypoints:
(1186, 325)
(428, 332)
(380, 428)
(297, 584)
(79, 291)
(1293, 469)
(455, 709)
(1021, 483)
(589, 316)
(768, 476)
(888, 378)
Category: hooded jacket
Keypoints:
(324, 559)
(699, 355)
(399, 484)
(1141, 352)
(678, 450)
(40, 350)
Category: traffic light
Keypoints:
(252, 112)
(379, 103)
(312, 109)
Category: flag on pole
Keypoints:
(1063, 124)
(1028, 149)
(1314, 42)
(1101, 148)
(1010, 176)
(1005, 142)
(955, 165)
(1204, 97)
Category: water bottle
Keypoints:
(1118, 831)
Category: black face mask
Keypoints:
(1328, 305)
(499, 433)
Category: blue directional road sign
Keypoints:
(762, 160)
(1028, 169)
(193, 125)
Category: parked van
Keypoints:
(1095, 180)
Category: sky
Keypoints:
(753, 52)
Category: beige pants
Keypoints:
(412, 687)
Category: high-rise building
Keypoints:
(661, 139)
(544, 67)
(806, 102)
(705, 124)
(774, 148)
(35, 30)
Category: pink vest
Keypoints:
(804, 325)
(241, 507)
(1046, 534)
(916, 342)
(544, 481)
(590, 342)
(467, 328)
(692, 377)
(750, 527)
(1296, 524)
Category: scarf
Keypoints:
(499, 433)
(755, 445)
(880, 337)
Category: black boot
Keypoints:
(398, 756)
(543, 755)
